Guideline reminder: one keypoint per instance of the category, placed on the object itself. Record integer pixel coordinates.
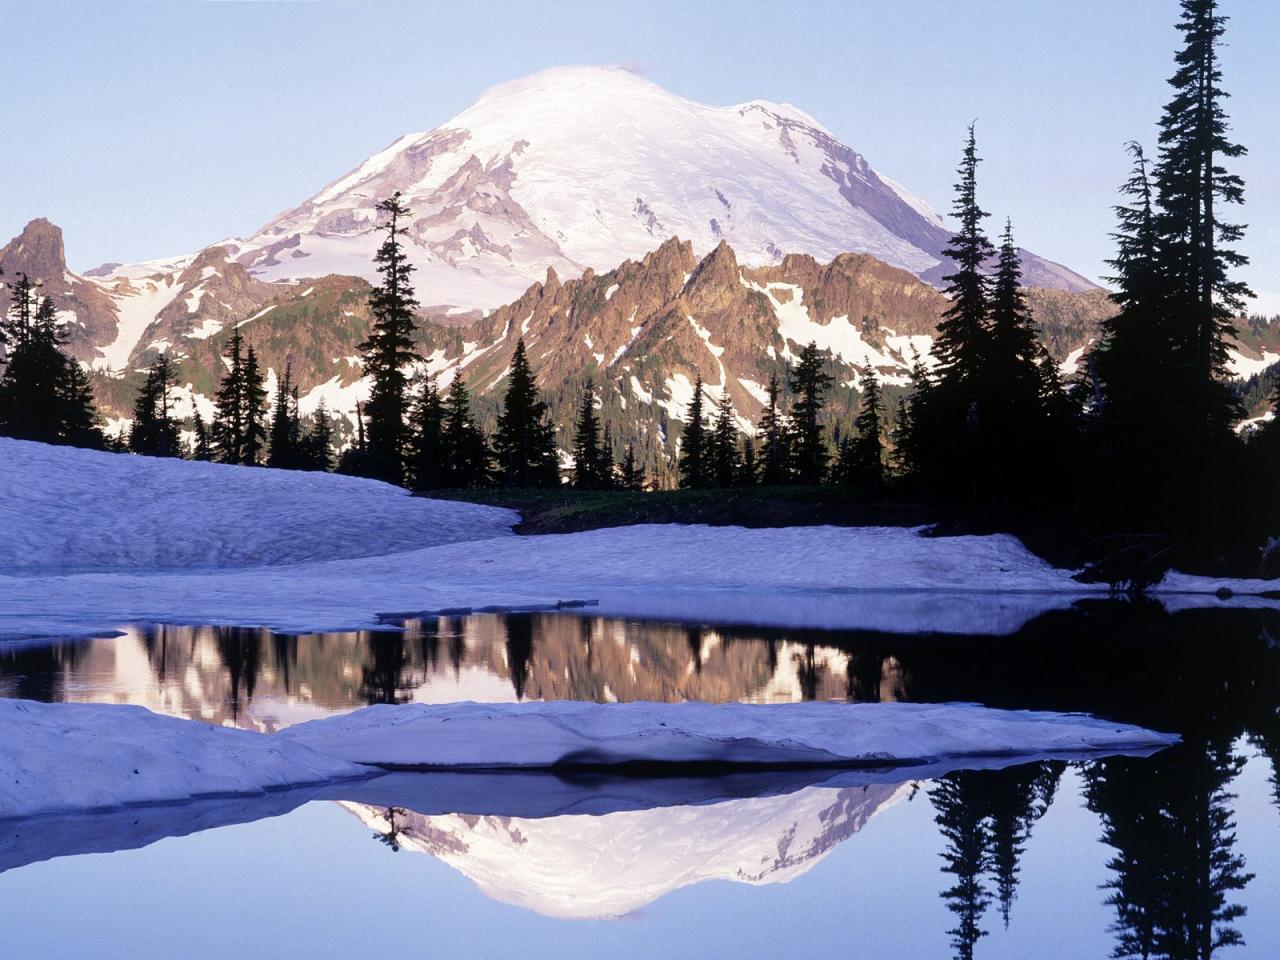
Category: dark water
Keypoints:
(1173, 855)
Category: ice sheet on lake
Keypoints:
(566, 734)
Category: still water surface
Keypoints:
(1174, 855)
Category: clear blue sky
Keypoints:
(149, 129)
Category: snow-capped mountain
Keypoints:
(598, 867)
(578, 167)
(570, 169)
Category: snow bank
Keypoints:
(92, 541)
(64, 757)
(68, 509)
(77, 758)
(563, 734)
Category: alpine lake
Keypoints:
(1171, 855)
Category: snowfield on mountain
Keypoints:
(528, 177)
(199, 543)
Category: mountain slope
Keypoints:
(578, 167)
(122, 319)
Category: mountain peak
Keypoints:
(574, 81)
(583, 166)
(37, 251)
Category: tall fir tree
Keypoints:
(317, 444)
(525, 442)
(948, 430)
(255, 407)
(465, 452)
(81, 423)
(865, 449)
(155, 432)
(588, 459)
(201, 446)
(1013, 350)
(726, 463)
(230, 404)
(809, 382)
(961, 342)
(608, 460)
(1196, 249)
(427, 469)
(694, 461)
(632, 473)
(45, 395)
(1136, 341)
(772, 431)
(15, 327)
(390, 349)
(286, 425)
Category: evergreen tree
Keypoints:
(772, 430)
(1195, 244)
(230, 404)
(317, 445)
(44, 394)
(866, 447)
(726, 463)
(608, 462)
(525, 442)
(632, 475)
(1013, 351)
(155, 431)
(286, 425)
(1135, 343)
(35, 370)
(15, 329)
(390, 349)
(588, 467)
(695, 468)
(808, 446)
(465, 452)
(901, 459)
(81, 424)
(202, 448)
(962, 332)
(947, 407)
(426, 467)
(255, 408)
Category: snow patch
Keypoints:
(566, 733)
